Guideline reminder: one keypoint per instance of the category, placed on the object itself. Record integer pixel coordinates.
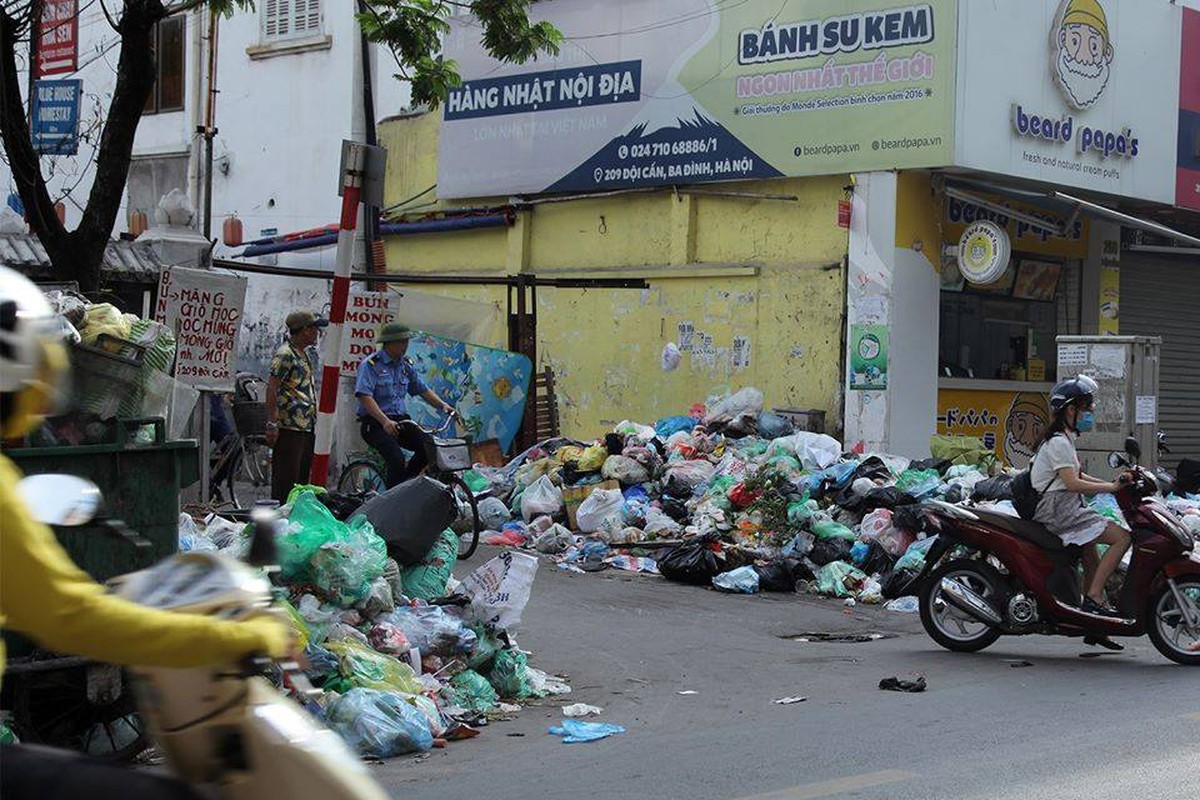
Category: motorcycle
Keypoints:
(224, 727)
(990, 575)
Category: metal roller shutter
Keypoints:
(1159, 298)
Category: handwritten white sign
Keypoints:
(366, 313)
(204, 309)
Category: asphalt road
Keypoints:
(1113, 726)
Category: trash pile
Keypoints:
(405, 656)
(732, 496)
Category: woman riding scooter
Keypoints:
(46, 597)
(1055, 472)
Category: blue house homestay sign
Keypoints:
(55, 124)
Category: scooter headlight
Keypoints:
(1168, 521)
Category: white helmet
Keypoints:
(33, 361)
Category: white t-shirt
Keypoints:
(1055, 454)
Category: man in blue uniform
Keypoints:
(386, 379)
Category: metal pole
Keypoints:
(210, 131)
(205, 447)
(333, 345)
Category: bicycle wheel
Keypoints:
(468, 541)
(257, 464)
(360, 477)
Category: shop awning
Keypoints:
(1061, 203)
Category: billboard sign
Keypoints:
(693, 91)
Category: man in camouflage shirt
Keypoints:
(292, 404)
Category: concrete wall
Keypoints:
(766, 270)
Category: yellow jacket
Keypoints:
(46, 597)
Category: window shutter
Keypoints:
(276, 19)
(307, 16)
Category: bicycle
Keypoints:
(447, 459)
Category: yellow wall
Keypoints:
(767, 270)
(919, 215)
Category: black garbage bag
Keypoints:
(887, 497)
(693, 562)
(778, 576)
(675, 509)
(615, 444)
(826, 551)
(342, 506)
(997, 488)
(899, 583)
(1187, 477)
(940, 464)
(908, 518)
(410, 517)
(878, 561)
(805, 569)
(954, 494)
(850, 500)
(872, 468)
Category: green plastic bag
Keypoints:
(472, 691)
(300, 489)
(510, 674)
(967, 450)
(310, 525)
(475, 482)
(7, 736)
(839, 579)
(919, 482)
(427, 580)
(345, 567)
(486, 648)
(829, 529)
(802, 510)
(370, 670)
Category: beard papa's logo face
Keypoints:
(1083, 52)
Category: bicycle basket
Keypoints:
(449, 455)
(250, 417)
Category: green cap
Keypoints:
(394, 332)
(299, 320)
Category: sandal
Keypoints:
(1103, 641)
(1090, 606)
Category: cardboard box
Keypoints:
(573, 497)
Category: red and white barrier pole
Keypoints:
(333, 344)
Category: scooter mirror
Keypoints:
(1133, 447)
(1117, 461)
(266, 528)
(63, 500)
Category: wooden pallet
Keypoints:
(545, 405)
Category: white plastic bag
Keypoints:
(875, 524)
(815, 451)
(671, 357)
(500, 589)
(554, 541)
(542, 497)
(625, 470)
(597, 508)
(745, 402)
(493, 513)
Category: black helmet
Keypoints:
(1080, 390)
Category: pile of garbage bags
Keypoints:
(731, 496)
(406, 658)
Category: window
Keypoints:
(290, 19)
(166, 46)
(152, 177)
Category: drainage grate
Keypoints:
(838, 636)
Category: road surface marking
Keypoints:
(811, 791)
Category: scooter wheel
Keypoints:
(1164, 622)
(953, 629)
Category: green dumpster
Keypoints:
(140, 484)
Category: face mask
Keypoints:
(1086, 421)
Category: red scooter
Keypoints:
(990, 575)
